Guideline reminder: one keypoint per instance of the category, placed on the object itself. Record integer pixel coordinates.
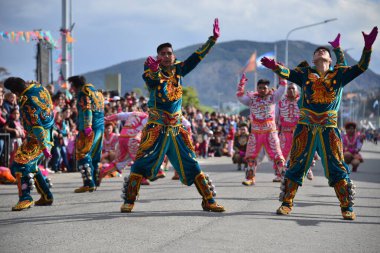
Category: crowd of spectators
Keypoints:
(212, 132)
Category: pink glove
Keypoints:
(369, 39)
(242, 83)
(243, 80)
(112, 117)
(335, 43)
(282, 81)
(152, 63)
(216, 30)
(269, 63)
(47, 153)
(87, 131)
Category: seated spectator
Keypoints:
(109, 143)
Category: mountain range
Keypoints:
(216, 77)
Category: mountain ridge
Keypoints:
(218, 74)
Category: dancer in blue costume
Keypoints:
(321, 93)
(164, 133)
(89, 143)
(37, 118)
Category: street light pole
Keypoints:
(299, 28)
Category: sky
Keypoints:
(109, 32)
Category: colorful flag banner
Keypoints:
(250, 65)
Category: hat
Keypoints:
(350, 124)
(116, 98)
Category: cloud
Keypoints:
(112, 31)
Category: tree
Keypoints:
(190, 97)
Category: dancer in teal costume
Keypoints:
(321, 92)
(89, 143)
(164, 133)
(37, 118)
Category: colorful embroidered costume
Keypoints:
(37, 118)
(317, 129)
(129, 140)
(287, 113)
(164, 133)
(263, 128)
(90, 104)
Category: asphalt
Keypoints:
(168, 216)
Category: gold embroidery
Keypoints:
(299, 146)
(323, 93)
(28, 151)
(173, 88)
(84, 144)
(148, 138)
(336, 145)
(186, 138)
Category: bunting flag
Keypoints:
(250, 65)
(27, 36)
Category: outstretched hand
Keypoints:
(216, 30)
(369, 39)
(335, 43)
(243, 80)
(268, 63)
(152, 63)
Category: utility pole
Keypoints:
(64, 29)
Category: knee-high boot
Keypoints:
(130, 190)
(345, 192)
(250, 174)
(88, 183)
(43, 189)
(288, 192)
(25, 183)
(207, 190)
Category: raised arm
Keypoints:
(340, 59)
(243, 98)
(283, 72)
(190, 63)
(352, 72)
(151, 72)
(280, 91)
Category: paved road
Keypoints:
(168, 216)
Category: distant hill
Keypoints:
(218, 72)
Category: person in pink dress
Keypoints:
(129, 140)
(109, 143)
(352, 144)
(263, 126)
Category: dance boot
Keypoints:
(43, 189)
(130, 190)
(288, 192)
(345, 192)
(207, 190)
(88, 184)
(25, 184)
(21, 205)
(250, 178)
